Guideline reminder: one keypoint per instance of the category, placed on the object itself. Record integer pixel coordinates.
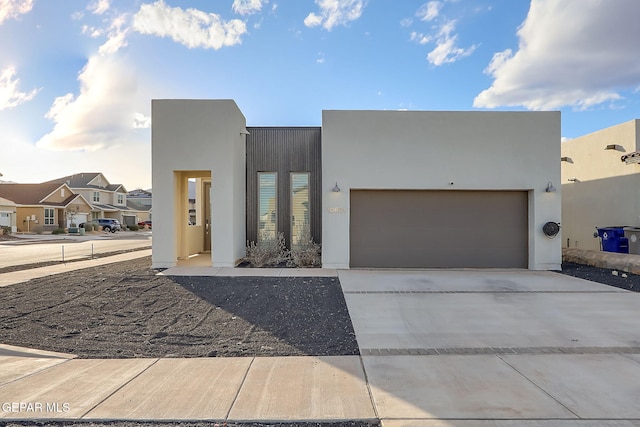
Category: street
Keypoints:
(43, 248)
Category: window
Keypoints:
(62, 192)
(96, 196)
(49, 216)
(267, 206)
(300, 224)
(121, 199)
(95, 215)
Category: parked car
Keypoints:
(107, 224)
(143, 223)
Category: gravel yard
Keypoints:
(125, 310)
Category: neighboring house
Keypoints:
(600, 183)
(8, 214)
(107, 200)
(45, 207)
(402, 189)
(141, 197)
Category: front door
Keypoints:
(207, 216)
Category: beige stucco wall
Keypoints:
(198, 135)
(441, 151)
(24, 212)
(606, 191)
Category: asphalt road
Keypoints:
(53, 248)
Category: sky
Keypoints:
(77, 76)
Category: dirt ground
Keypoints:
(125, 310)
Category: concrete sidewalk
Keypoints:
(439, 348)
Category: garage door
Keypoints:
(5, 219)
(438, 229)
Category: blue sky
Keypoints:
(77, 77)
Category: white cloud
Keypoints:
(190, 27)
(442, 35)
(446, 50)
(335, 12)
(10, 95)
(116, 36)
(140, 121)
(14, 8)
(101, 115)
(247, 7)
(99, 7)
(429, 11)
(420, 38)
(578, 53)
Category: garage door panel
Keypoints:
(432, 229)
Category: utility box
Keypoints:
(632, 234)
(613, 239)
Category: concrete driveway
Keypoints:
(496, 348)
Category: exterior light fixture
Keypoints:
(336, 189)
(244, 132)
(573, 180)
(614, 147)
(550, 188)
(566, 159)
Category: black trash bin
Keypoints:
(613, 239)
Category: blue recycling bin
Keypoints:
(613, 239)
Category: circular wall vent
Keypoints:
(551, 229)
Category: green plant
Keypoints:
(6, 229)
(267, 253)
(88, 226)
(58, 231)
(133, 227)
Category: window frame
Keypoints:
(307, 216)
(96, 196)
(49, 219)
(274, 214)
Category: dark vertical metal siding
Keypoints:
(284, 150)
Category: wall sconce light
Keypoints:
(573, 180)
(614, 147)
(336, 189)
(566, 159)
(244, 132)
(550, 188)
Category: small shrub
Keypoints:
(88, 226)
(306, 253)
(6, 229)
(58, 231)
(133, 227)
(268, 253)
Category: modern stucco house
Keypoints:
(600, 183)
(398, 189)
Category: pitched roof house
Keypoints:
(45, 206)
(8, 214)
(107, 200)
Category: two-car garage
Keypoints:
(438, 229)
